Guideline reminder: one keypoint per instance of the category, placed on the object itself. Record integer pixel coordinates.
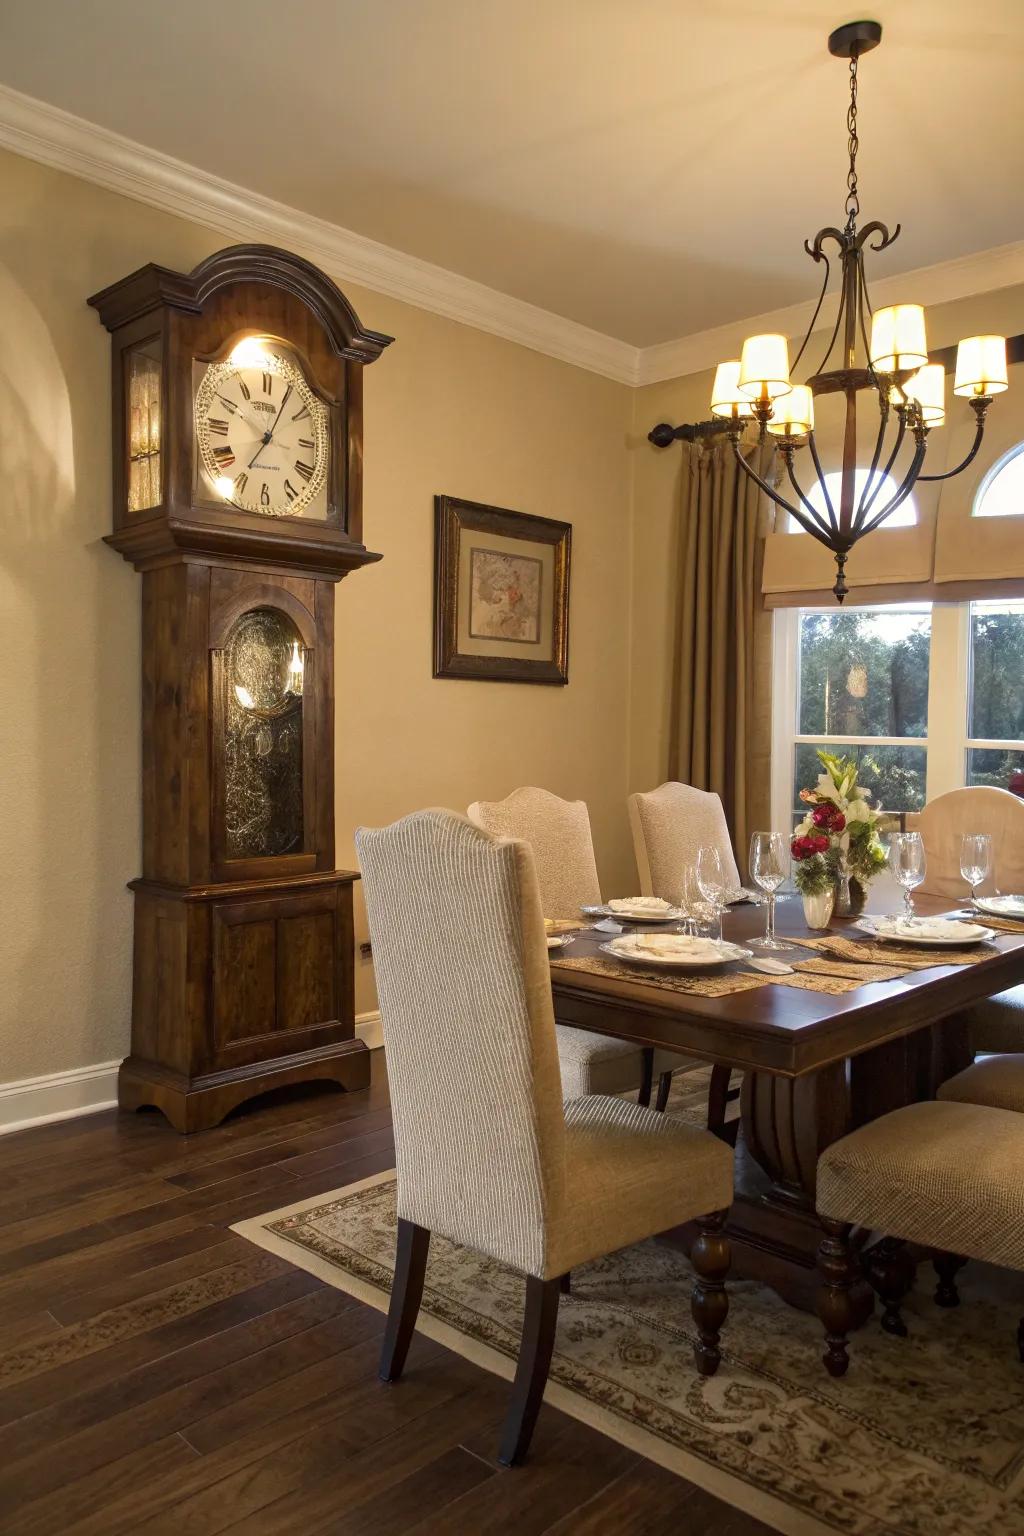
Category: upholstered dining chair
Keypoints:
(670, 825)
(487, 1153)
(998, 1023)
(944, 1175)
(559, 833)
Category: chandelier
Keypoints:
(895, 379)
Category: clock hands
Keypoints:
(268, 437)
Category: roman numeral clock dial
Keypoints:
(261, 432)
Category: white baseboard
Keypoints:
(58, 1096)
(84, 1090)
(368, 1029)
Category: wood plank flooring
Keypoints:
(159, 1373)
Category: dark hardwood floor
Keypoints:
(159, 1373)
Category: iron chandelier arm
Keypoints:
(780, 501)
(871, 487)
(833, 520)
(787, 454)
(871, 493)
(818, 255)
(979, 406)
(909, 481)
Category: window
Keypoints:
(1001, 493)
(926, 698)
(862, 691)
(995, 723)
(905, 515)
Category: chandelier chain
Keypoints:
(852, 198)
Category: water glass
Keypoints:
(907, 861)
(769, 866)
(975, 861)
(711, 880)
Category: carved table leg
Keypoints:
(710, 1257)
(835, 1307)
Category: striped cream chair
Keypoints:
(997, 1024)
(944, 1175)
(487, 1153)
(670, 824)
(559, 833)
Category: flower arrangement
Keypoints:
(838, 838)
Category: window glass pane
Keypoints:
(1002, 490)
(894, 775)
(905, 515)
(864, 672)
(997, 672)
(997, 767)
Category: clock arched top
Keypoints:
(153, 287)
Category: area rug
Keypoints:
(924, 1437)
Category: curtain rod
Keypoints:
(664, 434)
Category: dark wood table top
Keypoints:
(781, 1029)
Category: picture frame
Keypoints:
(501, 594)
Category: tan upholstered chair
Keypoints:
(998, 1023)
(996, 1081)
(487, 1154)
(669, 825)
(559, 833)
(944, 1175)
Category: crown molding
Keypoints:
(1001, 267)
(39, 131)
(56, 138)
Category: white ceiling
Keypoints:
(649, 168)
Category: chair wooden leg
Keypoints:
(720, 1096)
(710, 1257)
(647, 1081)
(538, 1341)
(947, 1266)
(406, 1294)
(838, 1269)
(891, 1271)
(664, 1089)
(565, 1285)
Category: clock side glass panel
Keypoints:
(262, 434)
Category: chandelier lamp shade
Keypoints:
(877, 360)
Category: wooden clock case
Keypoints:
(243, 965)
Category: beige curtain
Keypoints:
(721, 703)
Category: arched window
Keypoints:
(905, 515)
(1001, 493)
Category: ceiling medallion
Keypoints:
(895, 377)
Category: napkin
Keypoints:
(671, 946)
(656, 906)
(927, 928)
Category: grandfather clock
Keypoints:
(237, 412)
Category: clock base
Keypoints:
(199, 1103)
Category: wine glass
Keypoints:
(690, 901)
(908, 865)
(769, 866)
(975, 861)
(711, 879)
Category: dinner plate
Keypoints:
(559, 940)
(624, 949)
(1002, 906)
(670, 915)
(955, 933)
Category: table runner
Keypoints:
(818, 975)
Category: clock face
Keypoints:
(261, 433)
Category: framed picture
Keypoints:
(501, 594)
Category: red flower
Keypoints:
(828, 816)
(1016, 784)
(807, 847)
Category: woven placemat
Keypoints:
(818, 975)
(906, 956)
(1000, 924)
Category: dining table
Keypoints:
(814, 1063)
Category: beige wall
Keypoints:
(448, 409)
(656, 492)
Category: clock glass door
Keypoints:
(261, 683)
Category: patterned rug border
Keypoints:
(732, 1490)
